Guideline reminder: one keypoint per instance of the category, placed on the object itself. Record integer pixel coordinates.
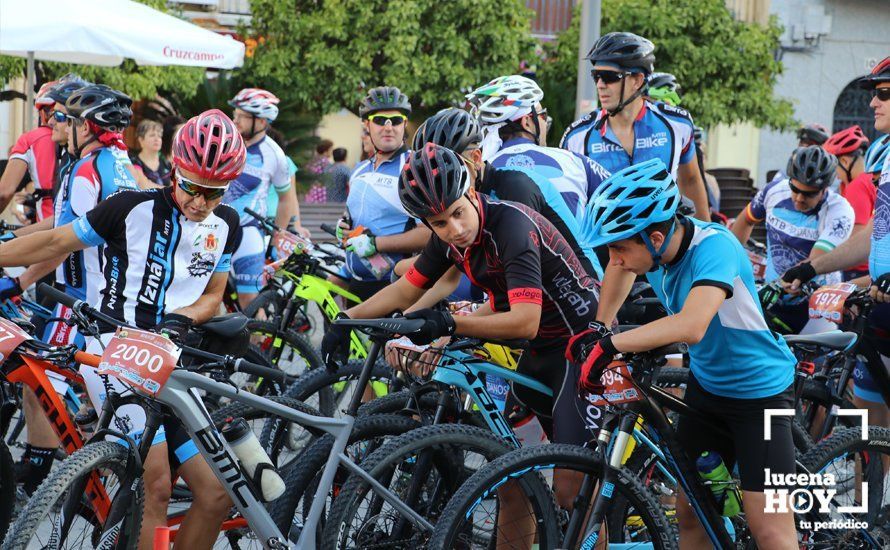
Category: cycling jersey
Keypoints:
(861, 193)
(374, 204)
(738, 357)
(38, 150)
(791, 235)
(518, 257)
(660, 131)
(91, 180)
(530, 189)
(879, 258)
(266, 167)
(155, 260)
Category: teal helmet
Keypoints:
(877, 153)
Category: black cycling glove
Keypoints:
(883, 283)
(335, 344)
(175, 325)
(803, 272)
(436, 323)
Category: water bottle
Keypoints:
(711, 469)
(256, 463)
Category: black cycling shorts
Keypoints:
(744, 445)
(566, 417)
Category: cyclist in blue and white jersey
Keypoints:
(514, 126)
(388, 231)
(266, 170)
(804, 219)
(738, 367)
(872, 244)
(628, 129)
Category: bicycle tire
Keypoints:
(443, 443)
(104, 455)
(7, 488)
(316, 387)
(522, 466)
(302, 477)
(265, 297)
(297, 342)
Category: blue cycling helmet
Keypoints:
(628, 202)
(876, 155)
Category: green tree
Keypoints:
(324, 54)
(139, 82)
(727, 67)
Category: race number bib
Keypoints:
(828, 302)
(11, 335)
(758, 263)
(286, 243)
(143, 360)
(619, 386)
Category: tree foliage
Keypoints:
(727, 67)
(139, 82)
(325, 54)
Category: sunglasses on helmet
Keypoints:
(609, 77)
(194, 189)
(381, 120)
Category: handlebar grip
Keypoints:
(57, 295)
(87, 359)
(258, 370)
(328, 228)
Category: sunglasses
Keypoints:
(798, 191)
(609, 77)
(883, 94)
(381, 120)
(194, 189)
(59, 116)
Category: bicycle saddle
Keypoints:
(226, 326)
(835, 339)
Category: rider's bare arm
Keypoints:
(617, 284)
(208, 304)
(410, 241)
(39, 247)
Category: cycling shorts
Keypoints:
(743, 445)
(567, 417)
(130, 418)
(876, 346)
(248, 260)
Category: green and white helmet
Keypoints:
(506, 98)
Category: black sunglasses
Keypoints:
(798, 191)
(609, 77)
(882, 94)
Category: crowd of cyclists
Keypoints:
(554, 246)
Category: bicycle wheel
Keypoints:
(302, 477)
(330, 392)
(423, 468)
(64, 512)
(471, 520)
(287, 351)
(859, 469)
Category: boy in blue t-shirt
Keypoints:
(739, 368)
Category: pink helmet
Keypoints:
(258, 102)
(210, 146)
(846, 142)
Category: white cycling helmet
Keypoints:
(506, 98)
(258, 102)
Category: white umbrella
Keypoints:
(104, 32)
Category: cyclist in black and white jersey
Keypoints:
(166, 256)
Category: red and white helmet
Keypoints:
(210, 146)
(846, 142)
(258, 102)
(41, 100)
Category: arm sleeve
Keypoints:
(837, 227)
(84, 193)
(21, 148)
(687, 151)
(224, 265)
(432, 263)
(715, 262)
(281, 176)
(521, 257)
(756, 209)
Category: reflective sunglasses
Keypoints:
(798, 191)
(194, 189)
(883, 94)
(381, 120)
(609, 77)
(59, 116)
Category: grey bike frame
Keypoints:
(179, 393)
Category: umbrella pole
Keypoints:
(29, 93)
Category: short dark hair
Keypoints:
(661, 227)
(512, 129)
(324, 146)
(339, 154)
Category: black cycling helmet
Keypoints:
(880, 73)
(66, 86)
(664, 80)
(107, 108)
(814, 133)
(433, 179)
(625, 50)
(384, 98)
(452, 128)
(812, 166)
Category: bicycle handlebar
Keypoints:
(328, 228)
